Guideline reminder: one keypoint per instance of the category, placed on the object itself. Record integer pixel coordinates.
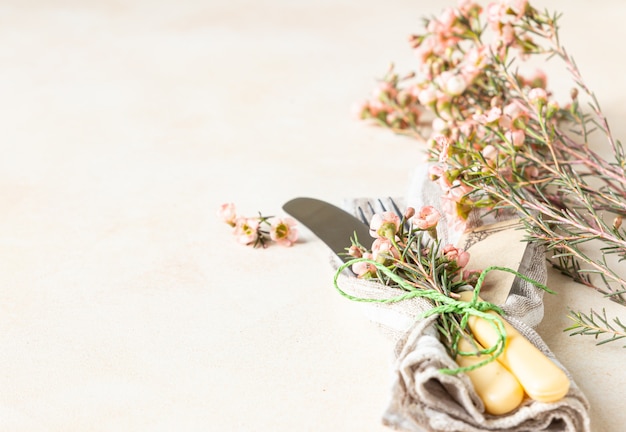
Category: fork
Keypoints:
(366, 210)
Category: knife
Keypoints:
(331, 224)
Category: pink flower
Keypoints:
(492, 115)
(508, 34)
(382, 249)
(513, 110)
(471, 276)
(496, 13)
(246, 230)
(384, 225)
(427, 96)
(444, 147)
(426, 218)
(455, 85)
(283, 231)
(537, 94)
(448, 18)
(456, 255)
(467, 6)
(516, 137)
(355, 251)
(435, 172)
(518, 6)
(489, 152)
(458, 191)
(475, 61)
(425, 49)
(364, 268)
(228, 213)
(384, 91)
(456, 215)
(439, 124)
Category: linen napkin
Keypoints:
(422, 398)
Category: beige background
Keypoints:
(124, 304)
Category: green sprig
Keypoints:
(597, 325)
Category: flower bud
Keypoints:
(227, 212)
(538, 95)
(427, 96)
(455, 85)
(617, 223)
(355, 252)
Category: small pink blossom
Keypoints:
(537, 95)
(427, 96)
(247, 230)
(384, 91)
(471, 276)
(456, 255)
(496, 14)
(439, 125)
(458, 191)
(514, 110)
(474, 62)
(491, 116)
(364, 268)
(455, 85)
(355, 251)
(448, 18)
(516, 137)
(489, 152)
(456, 215)
(382, 249)
(467, 6)
(228, 213)
(435, 171)
(444, 147)
(425, 49)
(518, 6)
(508, 34)
(444, 181)
(426, 218)
(283, 231)
(384, 224)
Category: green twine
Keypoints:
(447, 305)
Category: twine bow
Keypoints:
(447, 305)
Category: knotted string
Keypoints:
(447, 305)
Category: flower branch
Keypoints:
(259, 231)
(499, 139)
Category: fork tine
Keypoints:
(366, 211)
(382, 206)
(407, 224)
(369, 204)
(362, 216)
(395, 207)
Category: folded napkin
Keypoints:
(423, 399)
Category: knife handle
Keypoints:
(494, 384)
(540, 377)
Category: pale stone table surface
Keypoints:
(125, 305)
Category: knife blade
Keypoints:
(331, 224)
